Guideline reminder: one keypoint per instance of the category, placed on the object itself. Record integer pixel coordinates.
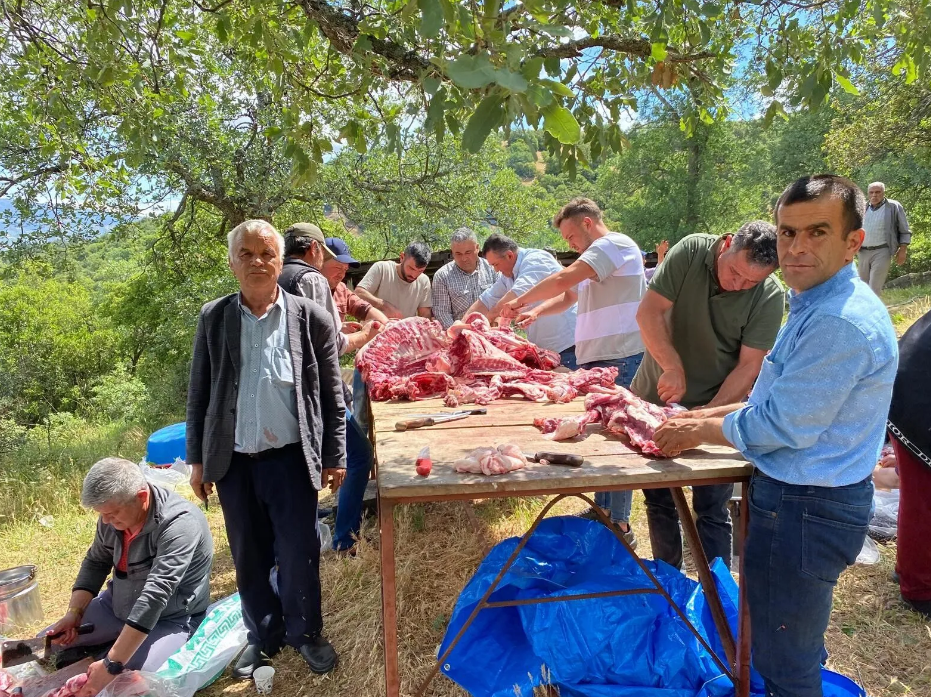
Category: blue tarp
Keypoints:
(602, 647)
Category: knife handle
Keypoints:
(86, 628)
(560, 459)
(413, 423)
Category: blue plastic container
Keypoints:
(166, 444)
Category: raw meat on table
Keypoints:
(621, 412)
(70, 688)
(501, 460)
(414, 358)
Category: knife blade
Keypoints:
(567, 459)
(408, 424)
(18, 651)
(440, 414)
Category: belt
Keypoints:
(871, 249)
(271, 452)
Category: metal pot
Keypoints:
(20, 605)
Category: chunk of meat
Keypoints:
(71, 687)
(491, 461)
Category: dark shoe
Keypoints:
(895, 578)
(319, 654)
(922, 607)
(251, 658)
(590, 514)
(629, 537)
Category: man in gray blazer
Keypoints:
(886, 237)
(266, 425)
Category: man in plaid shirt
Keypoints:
(459, 283)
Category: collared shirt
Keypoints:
(709, 325)
(607, 327)
(348, 303)
(266, 404)
(817, 415)
(454, 290)
(553, 332)
(874, 225)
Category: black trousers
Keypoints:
(270, 510)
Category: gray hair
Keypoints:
(879, 184)
(463, 234)
(112, 479)
(759, 239)
(256, 226)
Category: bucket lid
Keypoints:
(16, 576)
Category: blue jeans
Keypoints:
(567, 358)
(351, 493)
(618, 502)
(360, 401)
(799, 540)
(712, 518)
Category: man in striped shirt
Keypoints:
(610, 283)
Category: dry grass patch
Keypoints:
(872, 637)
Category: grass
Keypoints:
(872, 637)
(906, 305)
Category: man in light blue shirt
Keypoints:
(813, 427)
(518, 271)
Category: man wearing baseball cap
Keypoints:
(347, 302)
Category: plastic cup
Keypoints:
(264, 676)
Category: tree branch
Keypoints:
(612, 42)
(35, 174)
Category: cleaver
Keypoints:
(18, 651)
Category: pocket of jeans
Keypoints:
(829, 546)
(764, 500)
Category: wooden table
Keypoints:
(609, 466)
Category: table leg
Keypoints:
(389, 597)
(705, 576)
(743, 611)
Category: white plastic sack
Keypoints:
(206, 654)
(885, 514)
(869, 554)
(178, 474)
(135, 683)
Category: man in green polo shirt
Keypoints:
(709, 317)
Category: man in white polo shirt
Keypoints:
(610, 284)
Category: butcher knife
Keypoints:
(18, 651)
(432, 419)
(556, 459)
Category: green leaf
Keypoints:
(658, 51)
(561, 124)
(185, 35)
(430, 85)
(552, 66)
(907, 65)
(711, 10)
(223, 28)
(531, 68)
(471, 72)
(558, 88)
(540, 96)
(431, 17)
(514, 82)
(846, 84)
(363, 44)
(775, 108)
(487, 117)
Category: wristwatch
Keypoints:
(113, 667)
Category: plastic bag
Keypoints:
(210, 649)
(869, 554)
(884, 522)
(135, 683)
(178, 474)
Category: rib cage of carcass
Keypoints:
(414, 358)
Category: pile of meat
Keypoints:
(414, 358)
(620, 412)
(71, 687)
(501, 460)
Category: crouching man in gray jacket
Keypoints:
(159, 549)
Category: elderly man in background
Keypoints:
(347, 302)
(518, 270)
(458, 284)
(886, 237)
(158, 548)
(711, 314)
(400, 289)
(813, 428)
(610, 282)
(266, 423)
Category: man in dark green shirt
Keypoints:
(709, 317)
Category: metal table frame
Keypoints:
(737, 653)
